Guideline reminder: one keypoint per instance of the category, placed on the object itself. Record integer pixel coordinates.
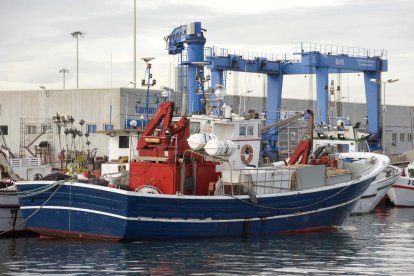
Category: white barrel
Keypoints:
(219, 147)
(197, 141)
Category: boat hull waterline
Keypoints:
(81, 210)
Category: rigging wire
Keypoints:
(35, 191)
(292, 208)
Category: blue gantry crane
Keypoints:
(315, 59)
(190, 38)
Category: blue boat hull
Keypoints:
(94, 212)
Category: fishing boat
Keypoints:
(401, 193)
(201, 177)
(341, 137)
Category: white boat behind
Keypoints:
(377, 190)
(344, 137)
(401, 193)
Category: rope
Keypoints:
(291, 208)
(35, 212)
(32, 192)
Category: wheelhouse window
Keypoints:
(242, 130)
(250, 130)
(246, 130)
(342, 148)
(363, 146)
(194, 127)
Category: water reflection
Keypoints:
(380, 243)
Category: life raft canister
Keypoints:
(246, 154)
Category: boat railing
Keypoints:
(358, 52)
(26, 162)
(268, 180)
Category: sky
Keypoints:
(36, 41)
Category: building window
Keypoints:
(108, 127)
(91, 128)
(402, 137)
(5, 130)
(394, 139)
(30, 129)
(47, 128)
(123, 142)
(409, 137)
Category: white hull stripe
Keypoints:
(180, 220)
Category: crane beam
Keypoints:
(319, 59)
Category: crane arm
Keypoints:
(164, 114)
(281, 123)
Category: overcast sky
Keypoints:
(36, 41)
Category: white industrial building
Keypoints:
(25, 115)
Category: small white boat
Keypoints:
(401, 193)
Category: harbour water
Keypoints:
(381, 243)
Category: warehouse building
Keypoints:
(28, 118)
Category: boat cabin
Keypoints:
(340, 137)
(121, 150)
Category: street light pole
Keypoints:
(44, 88)
(64, 71)
(147, 82)
(77, 34)
(384, 109)
(127, 102)
(135, 45)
